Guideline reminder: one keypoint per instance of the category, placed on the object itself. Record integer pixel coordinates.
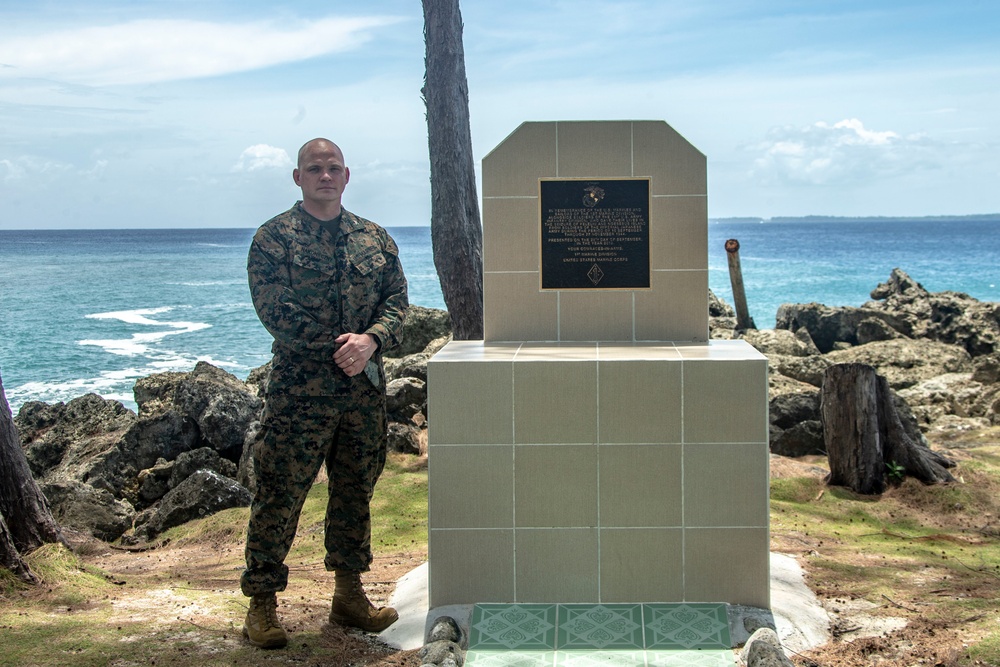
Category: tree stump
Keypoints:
(867, 446)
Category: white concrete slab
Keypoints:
(796, 612)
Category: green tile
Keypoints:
(525, 627)
(633, 658)
(686, 626)
(611, 626)
(600, 659)
(599, 635)
(702, 658)
(509, 659)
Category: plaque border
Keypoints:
(649, 233)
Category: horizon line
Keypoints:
(731, 218)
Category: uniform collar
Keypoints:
(310, 224)
(349, 222)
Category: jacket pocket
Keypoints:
(367, 261)
(312, 280)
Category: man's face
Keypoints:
(321, 173)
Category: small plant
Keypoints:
(896, 472)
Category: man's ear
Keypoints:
(295, 176)
(347, 175)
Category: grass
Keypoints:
(399, 512)
(180, 604)
(927, 553)
(930, 554)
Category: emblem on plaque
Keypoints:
(592, 195)
(595, 274)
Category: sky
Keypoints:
(188, 113)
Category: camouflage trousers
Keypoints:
(298, 434)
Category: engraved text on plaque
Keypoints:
(594, 233)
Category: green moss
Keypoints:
(795, 489)
(67, 577)
(222, 527)
(985, 652)
(399, 508)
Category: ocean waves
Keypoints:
(139, 342)
(94, 311)
(113, 384)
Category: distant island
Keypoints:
(982, 217)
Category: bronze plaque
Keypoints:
(594, 233)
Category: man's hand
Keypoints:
(354, 352)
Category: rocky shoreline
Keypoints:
(121, 475)
(939, 352)
(129, 476)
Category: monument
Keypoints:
(597, 446)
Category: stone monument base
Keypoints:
(598, 472)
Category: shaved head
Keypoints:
(322, 175)
(320, 144)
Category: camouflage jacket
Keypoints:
(309, 287)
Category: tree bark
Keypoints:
(10, 557)
(866, 443)
(456, 230)
(26, 519)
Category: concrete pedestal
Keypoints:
(598, 472)
(597, 447)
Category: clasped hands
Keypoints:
(354, 352)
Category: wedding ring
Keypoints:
(351, 360)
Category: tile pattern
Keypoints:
(609, 635)
(716, 658)
(600, 626)
(513, 626)
(705, 658)
(686, 625)
(509, 659)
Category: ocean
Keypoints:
(94, 310)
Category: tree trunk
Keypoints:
(456, 230)
(26, 521)
(10, 557)
(866, 443)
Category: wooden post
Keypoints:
(743, 319)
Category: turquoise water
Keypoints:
(840, 263)
(93, 310)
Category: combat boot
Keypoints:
(262, 627)
(351, 606)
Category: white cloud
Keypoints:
(12, 170)
(853, 133)
(149, 51)
(98, 170)
(262, 156)
(845, 152)
(28, 166)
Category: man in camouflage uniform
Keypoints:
(328, 286)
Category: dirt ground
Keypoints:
(863, 634)
(213, 568)
(892, 633)
(162, 586)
